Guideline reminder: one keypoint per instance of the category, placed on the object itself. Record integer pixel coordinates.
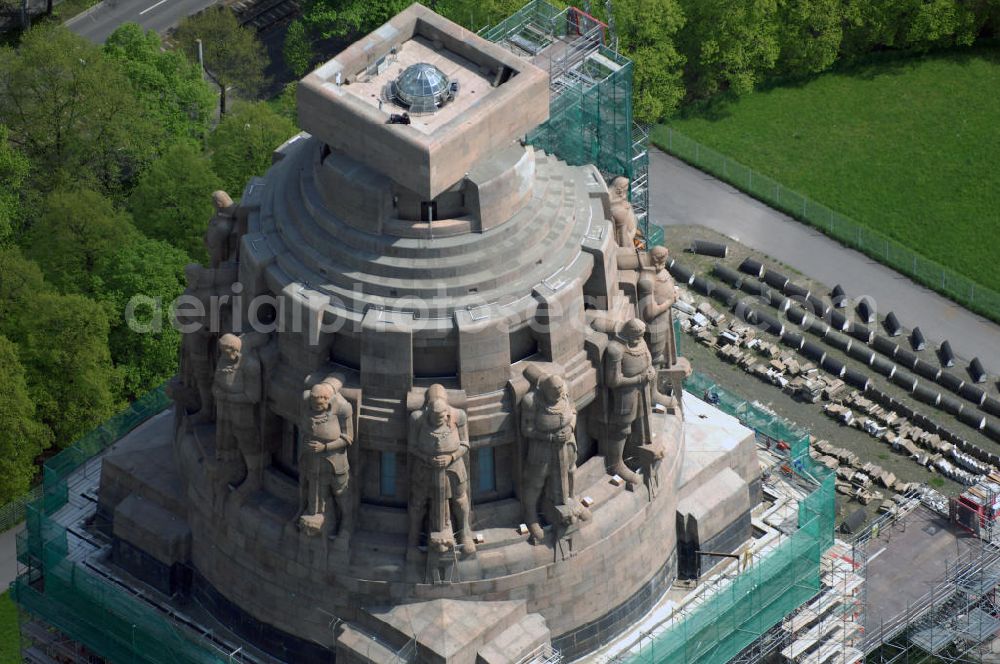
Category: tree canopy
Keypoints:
(173, 200)
(22, 436)
(72, 111)
(63, 345)
(170, 86)
(234, 57)
(139, 282)
(76, 232)
(242, 144)
(14, 168)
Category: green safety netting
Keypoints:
(590, 114)
(92, 610)
(770, 589)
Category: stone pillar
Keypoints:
(483, 353)
(386, 352)
(559, 322)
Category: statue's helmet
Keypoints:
(633, 329)
(221, 200)
(322, 390)
(230, 341)
(552, 384)
(435, 391)
(620, 185)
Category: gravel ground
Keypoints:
(810, 416)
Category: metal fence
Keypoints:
(873, 243)
(12, 513)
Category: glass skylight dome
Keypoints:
(422, 88)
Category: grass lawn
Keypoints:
(910, 147)
(10, 639)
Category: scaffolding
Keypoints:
(72, 608)
(956, 621)
(590, 109)
(749, 617)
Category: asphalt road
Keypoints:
(683, 195)
(97, 24)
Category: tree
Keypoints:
(72, 111)
(20, 281)
(298, 48)
(234, 57)
(809, 35)
(22, 437)
(142, 341)
(63, 345)
(242, 144)
(170, 86)
(286, 104)
(729, 46)
(647, 31)
(339, 18)
(76, 233)
(14, 169)
(173, 200)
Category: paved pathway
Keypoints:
(8, 556)
(97, 23)
(683, 195)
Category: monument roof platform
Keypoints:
(499, 99)
(473, 85)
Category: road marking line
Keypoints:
(876, 554)
(147, 9)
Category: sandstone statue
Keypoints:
(219, 236)
(548, 428)
(437, 439)
(630, 378)
(191, 389)
(657, 293)
(622, 213)
(237, 394)
(197, 370)
(327, 429)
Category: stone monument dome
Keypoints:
(436, 404)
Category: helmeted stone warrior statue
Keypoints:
(630, 377)
(657, 293)
(622, 213)
(237, 393)
(437, 439)
(548, 426)
(327, 429)
(218, 237)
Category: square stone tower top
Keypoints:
(495, 97)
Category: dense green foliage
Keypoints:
(905, 146)
(14, 169)
(234, 57)
(243, 142)
(141, 339)
(74, 234)
(22, 437)
(686, 51)
(173, 199)
(73, 111)
(107, 166)
(169, 84)
(63, 344)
